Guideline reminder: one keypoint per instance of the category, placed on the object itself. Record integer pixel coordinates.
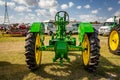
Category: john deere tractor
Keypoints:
(62, 43)
(114, 37)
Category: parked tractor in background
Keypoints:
(62, 43)
(107, 26)
(114, 37)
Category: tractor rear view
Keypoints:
(114, 37)
(63, 43)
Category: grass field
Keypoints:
(13, 66)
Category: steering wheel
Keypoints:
(62, 15)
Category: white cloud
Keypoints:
(1, 19)
(49, 7)
(117, 13)
(110, 8)
(19, 1)
(65, 6)
(46, 14)
(31, 2)
(99, 8)
(87, 6)
(26, 2)
(119, 2)
(21, 14)
(47, 4)
(91, 18)
(72, 19)
(79, 7)
(11, 18)
(94, 11)
(71, 4)
(42, 12)
(30, 16)
(2, 3)
(22, 8)
(11, 4)
(53, 11)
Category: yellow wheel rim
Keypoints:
(86, 53)
(114, 40)
(38, 53)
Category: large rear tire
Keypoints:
(90, 56)
(114, 40)
(33, 54)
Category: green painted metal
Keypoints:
(61, 51)
(46, 48)
(62, 43)
(37, 27)
(84, 27)
(115, 23)
(70, 48)
(75, 48)
(61, 22)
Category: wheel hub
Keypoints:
(86, 53)
(38, 53)
(114, 40)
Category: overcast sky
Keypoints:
(41, 10)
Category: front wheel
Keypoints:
(33, 54)
(90, 56)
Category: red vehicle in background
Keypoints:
(17, 29)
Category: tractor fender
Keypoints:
(37, 27)
(84, 27)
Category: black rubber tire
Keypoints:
(94, 52)
(117, 51)
(30, 51)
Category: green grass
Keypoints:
(13, 66)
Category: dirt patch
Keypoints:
(12, 46)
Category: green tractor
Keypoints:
(114, 37)
(63, 43)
